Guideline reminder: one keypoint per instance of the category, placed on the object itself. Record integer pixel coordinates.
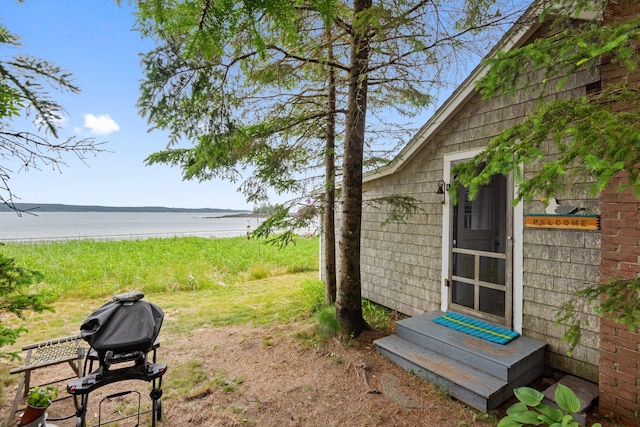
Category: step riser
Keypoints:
(467, 396)
(454, 352)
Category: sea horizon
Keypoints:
(27, 208)
(51, 226)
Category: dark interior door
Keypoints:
(480, 271)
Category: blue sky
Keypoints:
(94, 40)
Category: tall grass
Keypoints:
(89, 268)
(197, 281)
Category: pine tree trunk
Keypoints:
(349, 293)
(330, 192)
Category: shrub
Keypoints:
(16, 298)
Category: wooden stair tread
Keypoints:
(507, 355)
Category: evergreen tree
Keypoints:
(246, 83)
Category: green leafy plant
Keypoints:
(15, 298)
(376, 315)
(617, 299)
(531, 411)
(41, 397)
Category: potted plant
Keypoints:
(38, 400)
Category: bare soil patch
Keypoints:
(269, 376)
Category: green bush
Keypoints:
(16, 298)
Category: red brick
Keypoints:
(619, 11)
(628, 197)
(627, 419)
(631, 408)
(608, 197)
(631, 337)
(606, 262)
(607, 388)
(607, 359)
(626, 274)
(630, 352)
(630, 232)
(607, 404)
(607, 328)
(633, 214)
(625, 380)
(611, 241)
(621, 361)
(608, 371)
(635, 373)
(607, 247)
(623, 239)
(608, 227)
(630, 250)
(633, 268)
(626, 395)
(607, 399)
(606, 347)
(609, 272)
(607, 382)
(629, 225)
(629, 387)
(621, 257)
(620, 223)
(609, 263)
(606, 237)
(625, 208)
(609, 210)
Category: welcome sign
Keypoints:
(573, 222)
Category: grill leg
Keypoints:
(81, 402)
(156, 404)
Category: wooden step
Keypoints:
(477, 389)
(520, 357)
(480, 373)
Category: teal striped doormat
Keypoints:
(477, 328)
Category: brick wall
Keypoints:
(619, 376)
(619, 347)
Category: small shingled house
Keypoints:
(487, 259)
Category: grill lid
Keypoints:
(124, 324)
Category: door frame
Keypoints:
(517, 236)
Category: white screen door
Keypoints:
(480, 258)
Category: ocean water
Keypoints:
(120, 225)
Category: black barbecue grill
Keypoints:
(122, 333)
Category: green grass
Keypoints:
(197, 281)
(90, 269)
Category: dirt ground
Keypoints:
(269, 376)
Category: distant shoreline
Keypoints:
(56, 207)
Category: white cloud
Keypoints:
(100, 125)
